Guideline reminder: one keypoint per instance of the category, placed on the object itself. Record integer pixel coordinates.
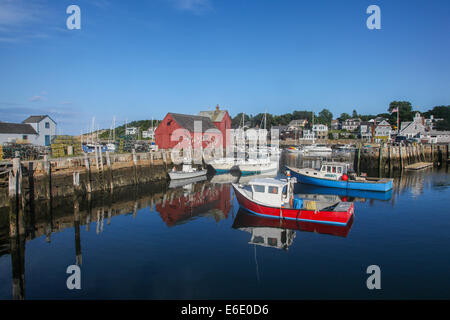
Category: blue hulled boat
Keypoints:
(335, 175)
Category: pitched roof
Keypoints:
(36, 119)
(18, 128)
(298, 122)
(215, 116)
(187, 121)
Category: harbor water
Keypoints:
(193, 242)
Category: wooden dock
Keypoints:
(419, 166)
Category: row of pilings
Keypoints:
(388, 158)
(47, 178)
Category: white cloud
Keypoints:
(36, 98)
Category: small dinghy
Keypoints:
(187, 172)
(274, 198)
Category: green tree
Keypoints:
(344, 116)
(404, 109)
(325, 117)
(354, 114)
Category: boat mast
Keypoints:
(312, 128)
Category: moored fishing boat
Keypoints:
(336, 175)
(274, 198)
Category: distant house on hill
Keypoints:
(131, 130)
(148, 134)
(320, 131)
(297, 124)
(173, 121)
(335, 124)
(45, 128)
(365, 130)
(221, 119)
(351, 124)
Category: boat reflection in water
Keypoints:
(280, 234)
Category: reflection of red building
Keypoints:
(207, 199)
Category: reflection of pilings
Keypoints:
(29, 201)
(89, 211)
(18, 266)
(16, 232)
(76, 223)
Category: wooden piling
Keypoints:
(88, 170)
(380, 157)
(110, 175)
(401, 157)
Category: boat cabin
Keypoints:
(270, 191)
(335, 167)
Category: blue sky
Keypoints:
(142, 59)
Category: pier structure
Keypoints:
(99, 171)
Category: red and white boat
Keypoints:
(274, 198)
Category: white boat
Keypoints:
(186, 172)
(317, 148)
(225, 164)
(111, 147)
(182, 182)
(253, 166)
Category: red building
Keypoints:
(221, 120)
(165, 132)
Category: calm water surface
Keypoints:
(193, 242)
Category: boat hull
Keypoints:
(186, 175)
(354, 185)
(247, 169)
(328, 217)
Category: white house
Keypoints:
(17, 132)
(320, 131)
(351, 124)
(365, 130)
(45, 128)
(150, 133)
(412, 129)
(436, 136)
(383, 131)
(131, 130)
(308, 135)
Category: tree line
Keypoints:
(405, 109)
